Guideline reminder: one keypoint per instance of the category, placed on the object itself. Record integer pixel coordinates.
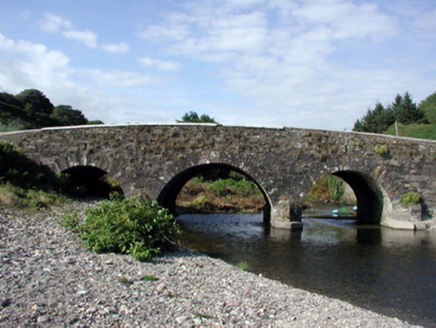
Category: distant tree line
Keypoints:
(31, 109)
(402, 110)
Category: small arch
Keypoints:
(168, 196)
(373, 202)
(90, 181)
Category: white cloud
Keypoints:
(119, 78)
(26, 65)
(347, 19)
(160, 64)
(86, 37)
(285, 56)
(53, 23)
(116, 48)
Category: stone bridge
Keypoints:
(155, 161)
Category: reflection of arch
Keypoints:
(93, 178)
(373, 203)
(168, 195)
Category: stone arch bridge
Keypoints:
(155, 161)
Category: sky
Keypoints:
(316, 64)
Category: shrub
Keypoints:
(410, 198)
(380, 149)
(130, 226)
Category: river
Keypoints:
(391, 272)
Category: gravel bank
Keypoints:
(49, 280)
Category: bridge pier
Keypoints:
(286, 214)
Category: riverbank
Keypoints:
(49, 279)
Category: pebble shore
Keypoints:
(48, 279)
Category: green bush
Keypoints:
(130, 226)
(410, 198)
(380, 149)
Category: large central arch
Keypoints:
(168, 196)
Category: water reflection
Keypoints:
(390, 271)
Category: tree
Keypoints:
(10, 99)
(35, 102)
(66, 115)
(192, 117)
(402, 109)
(406, 112)
(376, 120)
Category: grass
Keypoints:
(19, 198)
(421, 131)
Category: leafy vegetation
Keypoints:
(31, 109)
(192, 117)
(410, 198)
(380, 149)
(221, 191)
(129, 226)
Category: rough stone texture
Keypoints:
(49, 280)
(156, 160)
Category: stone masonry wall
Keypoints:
(286, 162)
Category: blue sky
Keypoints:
(311, 64)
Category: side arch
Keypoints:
(168, 196)
(94, 179)
(373, 203)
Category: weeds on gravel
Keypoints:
(150, 278)
(129, 226)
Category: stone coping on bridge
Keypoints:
(216, 125)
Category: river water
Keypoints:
(388, 271)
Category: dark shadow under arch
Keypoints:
(370, 199)
(93, 179)
(168, 196)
